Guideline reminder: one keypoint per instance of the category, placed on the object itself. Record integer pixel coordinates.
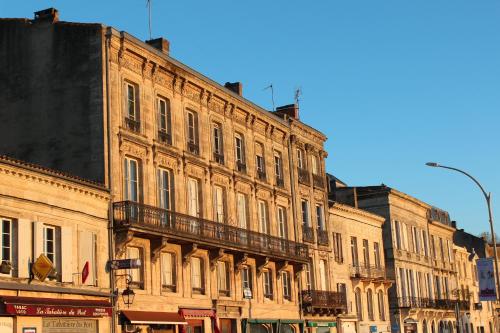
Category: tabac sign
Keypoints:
(42, 267)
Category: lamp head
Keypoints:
(432, 164)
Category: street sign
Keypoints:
(247, 293)
(373, 329)
(42, 267)
(85, 272)
(125, 263)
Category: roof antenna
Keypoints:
(148, 4)
(298, 93)
(272, 93)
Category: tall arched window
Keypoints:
(359, 307)
(369, 304)
(381, 305)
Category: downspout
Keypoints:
(111, 243)
(294, 207)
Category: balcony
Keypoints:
(149, 221)
(193, 148)
(307, 234)
(318, 181)
(367, 272)
(132, 124)
(280, 182)
(241, 167)
(219, 158)
(164, 137)
(322, 237)
(428, 303)
(324, 302)
(304, 176)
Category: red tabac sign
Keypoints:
(56, 310)
(85, 272)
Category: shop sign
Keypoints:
(373, 329)
(29, 329)
(69, 325)
(486, 275)
(6, 325)
(42, 267)
(56, 311)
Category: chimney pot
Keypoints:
(291, 110)
(50, 15)
(160, 44)
(236, 87)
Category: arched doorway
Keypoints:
(433, 327)
(424, 326)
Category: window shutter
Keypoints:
(196, 129)
(37, 239)
(23, 252)
(86, 252)
(67, 268)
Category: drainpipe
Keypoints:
(294, 208)
(111, 243)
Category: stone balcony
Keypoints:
(324, 302)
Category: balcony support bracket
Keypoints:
(298, 268)
(122, 238)
(187, 252)
(157, 245)
(261, 263)
(215, 255)
(240, 260)
(280, 267)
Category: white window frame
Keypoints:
(286, 284)
(246, 278)
(164, 188)
(263, 220)
(239, 148)
(241, 210)
(9, 235)
(278, 164)
(320, 218)
(132, 101)
(168, 271)
(315, 164)
(217, 137)
(53, 256)
(193, 197)
(223, 279)
(323, 274)
(131, 180)
(164, 115)
(219, 202)
(306, 216)
(300, 159)
(282, 227)
(136, 274)
(267, 281)
(197, 280)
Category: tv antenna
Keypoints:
(148, 4)
(298, 93)
(272, 93)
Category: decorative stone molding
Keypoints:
(280, 267)
(194, 171)
(261, 263)
(187, 252)
(215, 255)
(240, 260)
(132, 148)
(157, 245)
(122, 239)
(263, 194)
(165, 161)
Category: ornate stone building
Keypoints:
(47, 213)
(216, 196)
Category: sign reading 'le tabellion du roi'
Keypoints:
(486, 275)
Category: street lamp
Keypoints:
(128, 296)
(487, 196)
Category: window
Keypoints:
(267, 280)
(315, 165)
(192, 133)
(397, 227)
(369, 302)
(282, 222)
(381, 305)
(337, 247)
(305, 213)
(223, 283)
(132, 107)
(278, 168)
(263, 223)
(218, 145)
(354, 251)
(376, 254)
(285, 281)
(131, 180)
(164, 189)
(49, 243)
(246, 278)
(197, 280)
(359, 306)
(219, 203)
(366, 253)
(164, 120)
(193, 197)
(448, 247)
(136, 274)
(6, 240)
(239, 148)
(426, 243)
(308, 276)
(168, 271)
(241, 208)
(259, 161)
(433, 247)
(323, 274)
(319, 217)
(300, 159)
(416, 240)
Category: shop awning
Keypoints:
(321, 324)
(54, 307)
(197, 312)
(160, 318)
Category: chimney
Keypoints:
(50, 15)
(454, 224)
(291, 110)
(160, 44)
(236, 87)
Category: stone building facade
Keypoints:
(44, 212)
(216, 196)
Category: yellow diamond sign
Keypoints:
(42, 267)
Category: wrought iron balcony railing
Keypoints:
(429, 303)
(317, 301)
(164, 137)
(193, 148)
(133, 124)
(241, 167)
(307, 234)
(362, 271)
(322, 237)
(219, 158)
(318, 181)
(129, 214)
(304, 177)
(280, 182)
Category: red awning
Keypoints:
(55, 307)
(197, 312)
(164, 318)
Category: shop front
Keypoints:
(272, 326)
(322, 326)
(153, 322)
(199, 321)
(54, 315)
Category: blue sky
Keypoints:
(393, 84)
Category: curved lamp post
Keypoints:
(487, 196)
